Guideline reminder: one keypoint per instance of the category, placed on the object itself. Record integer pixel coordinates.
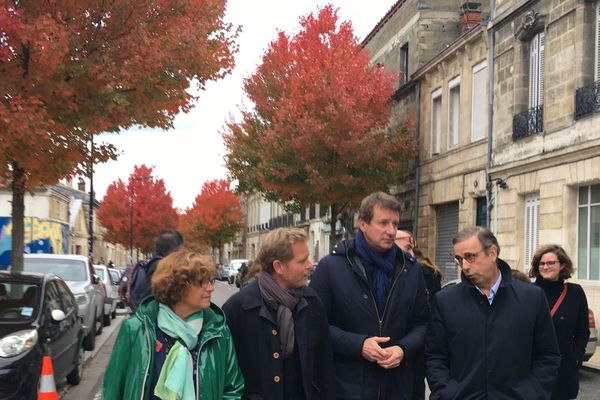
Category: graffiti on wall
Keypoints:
(41, 236)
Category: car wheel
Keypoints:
(106, 320)
(76, 374)
(99, 324)
(89, 341)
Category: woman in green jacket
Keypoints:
(177, 345)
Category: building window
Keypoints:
(536, 71)
(532, 233)
(436, 122)
(404, 64)
(588, 237)
(453, 112)
(479, 102)
(481, 212)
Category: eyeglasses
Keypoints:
(470, 257)
(548, 263)
(204, 283)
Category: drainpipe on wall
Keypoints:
(417, 160)
(491, 42)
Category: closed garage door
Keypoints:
(447, 227)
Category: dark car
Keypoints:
(38, 316)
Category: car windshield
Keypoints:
(114, 276)
(18, 301)
(69, 270)
(99, 272)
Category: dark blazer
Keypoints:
(341, 283)
(256, 337)
(572, 330)
(506, 350)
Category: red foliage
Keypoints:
(152, 209)
(320, 131)
(215, 217)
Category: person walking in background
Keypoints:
(551, 267)
(433, 282)
(376, 303)
(406, 241)
(279, 325)
(490, 337)
(176, 345)
(167, 241)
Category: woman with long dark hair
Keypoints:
(551, 266)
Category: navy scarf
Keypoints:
(379, 268)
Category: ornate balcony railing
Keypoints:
(528, 122)
(587, 100)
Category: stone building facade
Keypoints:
(408, 37)
(546, 136)
(453, 146)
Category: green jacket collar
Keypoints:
(214, 318)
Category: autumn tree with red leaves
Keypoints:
(320, 130)
(71, 69)
(215, 217)
(143, 203)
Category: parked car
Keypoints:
(222, 275)
(85, 285)
(231, 269)
(111, 296)
(590, 348)
(38, 316)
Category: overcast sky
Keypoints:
(192, 153)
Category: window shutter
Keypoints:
(533, 70)
(479, 102)
(532, 210)
(540, 91)
(597, 64)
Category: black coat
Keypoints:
(506, 350)
(342, 284)
(256, 337)
(572, 330)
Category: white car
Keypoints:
(231, 269)
(78, 274)
(112, 293)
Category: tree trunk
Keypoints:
(18, 184)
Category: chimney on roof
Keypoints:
(470, 15)
(81, 185)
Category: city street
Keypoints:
(91, 385)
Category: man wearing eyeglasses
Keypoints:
(490, 337)
(375, 299)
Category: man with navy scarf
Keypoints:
(376, 303)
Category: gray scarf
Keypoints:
(284, 301)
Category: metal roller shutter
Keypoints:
(447, 227)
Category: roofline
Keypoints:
(460, 41)
(383, 21)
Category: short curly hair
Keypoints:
(562, 256)
(177, 271)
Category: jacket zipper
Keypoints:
(198, 364)
(148, 365)
(380, 318)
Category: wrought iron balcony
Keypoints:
(587, 100)
(528, 122)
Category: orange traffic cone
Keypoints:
(47, 388)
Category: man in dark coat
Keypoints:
(491, 336)
(376, 303)
(279, 326)
(166, 242)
